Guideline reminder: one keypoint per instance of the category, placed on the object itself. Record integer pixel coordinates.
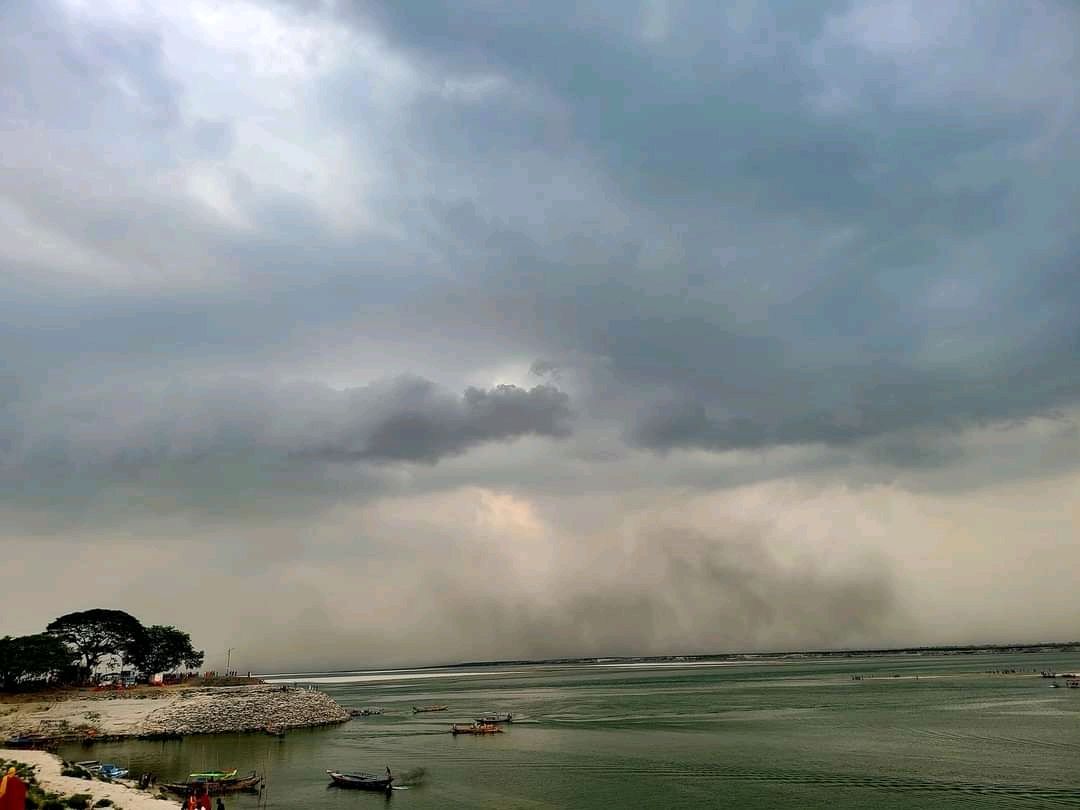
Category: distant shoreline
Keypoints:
(955, 649)
(965, 649)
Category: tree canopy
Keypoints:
(96, 633)
(75, 644)
(33, 659)
(161, 648)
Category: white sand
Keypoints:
(107, 713)
(48, 776)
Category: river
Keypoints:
(914, 732)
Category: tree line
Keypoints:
(75, 644)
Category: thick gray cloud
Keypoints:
(734, 243)
(408, 419)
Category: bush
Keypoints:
(104, 803)
(80, 801)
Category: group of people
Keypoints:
(201, 801)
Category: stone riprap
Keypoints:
(244, 708)
(167, 712)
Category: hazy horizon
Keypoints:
(393, 332)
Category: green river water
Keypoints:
(794, 734)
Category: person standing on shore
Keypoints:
(12, 792)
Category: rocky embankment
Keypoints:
(244, 708)
(167, 712)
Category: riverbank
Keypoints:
(166, 712)
(47, 769)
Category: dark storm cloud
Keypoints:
(252, 427)
(419, 423)
(740, 227)
(928, 310)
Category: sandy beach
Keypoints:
(145, 712)
(48, 776)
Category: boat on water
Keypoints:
(362, 781)
(436, 708)
(212, 776)
(475, 728)
(495, 717)
(364, 712)
(89, 765)
(110, 771)
(233, 784)
(28, 741)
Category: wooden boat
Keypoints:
(419, 709)
(235, 784)
(28, 741)
(362, 781)
(496, 717)
(476, 728)
(212, 776)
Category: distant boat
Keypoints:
(364, 712)
(436, 708)
(362, 781)
(476, 728)
(110, 771)
(496, 717)
(232, 784)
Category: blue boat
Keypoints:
(110, 771)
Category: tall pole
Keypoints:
(228, 660)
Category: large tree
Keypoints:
(33, 659)
(161, 648)
(96, 633)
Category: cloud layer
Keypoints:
(288, 258)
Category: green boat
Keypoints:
(213, 776)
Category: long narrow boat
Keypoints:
(362, 781)
(476, 728)
(496, 717)
(235, 784)
(438, 708)
(27, 741)
(213, 776)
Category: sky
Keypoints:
(351, 334)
